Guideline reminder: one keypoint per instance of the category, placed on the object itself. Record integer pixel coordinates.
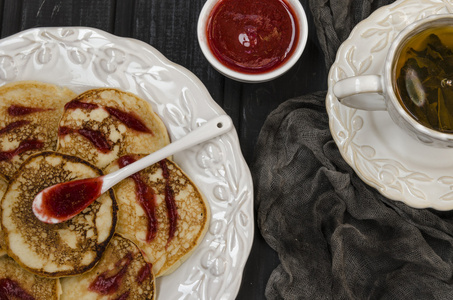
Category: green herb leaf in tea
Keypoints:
(426, 63)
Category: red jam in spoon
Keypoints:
(64, 201)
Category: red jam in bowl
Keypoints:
(252, 36)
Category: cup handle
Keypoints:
(349, 92)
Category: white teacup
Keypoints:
(380, 91)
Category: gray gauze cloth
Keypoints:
(336, 237)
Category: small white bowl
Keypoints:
(246, 77)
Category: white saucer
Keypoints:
(383, 155)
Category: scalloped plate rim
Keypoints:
(231, 137)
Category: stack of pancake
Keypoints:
(144, 227)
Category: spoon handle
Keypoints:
(211, 129)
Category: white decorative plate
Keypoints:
(83, 58)
(379, 151)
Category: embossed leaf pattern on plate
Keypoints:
(83, 58)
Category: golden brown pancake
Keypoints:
(103, 124)
(192, 210)
(3, 186)
(55, 250)
(29, 115)
(123, 261)
(25, 285)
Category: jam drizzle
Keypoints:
(107, 285)
(17, 110)
(74, 104)
(144, 273)
(95, 137)
(63, 130)
(24, 146)
(123, 296)
(14, 125)
(11, 289)
(169, 201)
(145, 196)
(128, 119)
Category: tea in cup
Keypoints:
(416, 86)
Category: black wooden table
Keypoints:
(170, 26)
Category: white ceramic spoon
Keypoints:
(48, 206)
